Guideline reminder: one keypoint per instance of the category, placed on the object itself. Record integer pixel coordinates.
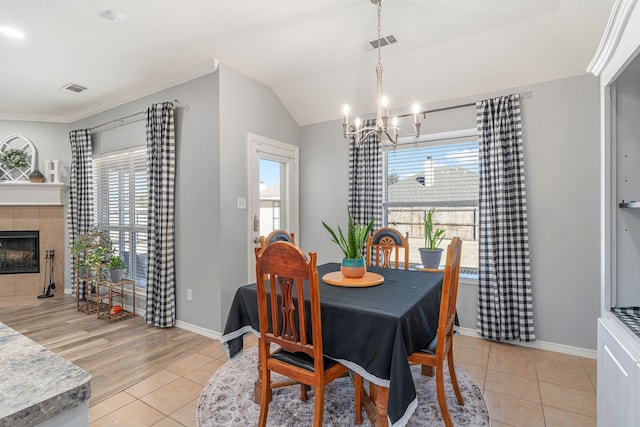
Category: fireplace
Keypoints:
(19, 252)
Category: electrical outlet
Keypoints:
(189, 295)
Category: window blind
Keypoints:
(121, 194)
(432, 174)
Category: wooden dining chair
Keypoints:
(277, 236)
(383, 243)
(441, 347)
(282, 267)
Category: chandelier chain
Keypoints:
(379, 26)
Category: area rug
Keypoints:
(227, 400)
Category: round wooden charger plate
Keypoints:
(369, 279)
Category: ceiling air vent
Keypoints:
(390, 39)
(73, 87)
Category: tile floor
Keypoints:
(522, 387)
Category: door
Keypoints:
(273, 191)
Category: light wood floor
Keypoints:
(145, 376)
(117, 355)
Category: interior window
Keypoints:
(120, 203)
(441, 175)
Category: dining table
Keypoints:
(371, 330)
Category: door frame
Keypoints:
(263, 147)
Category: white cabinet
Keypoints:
(618, 65)
(618, 379)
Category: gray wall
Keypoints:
(561, 139)
(197, 209)
(211, 233)
(246, 106)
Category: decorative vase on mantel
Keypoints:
(36, 176)
(353, 268)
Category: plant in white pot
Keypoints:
(353, 264)
(431, 253)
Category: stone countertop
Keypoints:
(35, 383)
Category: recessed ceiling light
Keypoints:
(12, 32)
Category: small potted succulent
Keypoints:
(431, 254)
(353, 264)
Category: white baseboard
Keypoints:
(542, 345)
(199, 330)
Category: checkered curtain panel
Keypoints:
(505, 303)
(365, 178)
(161, 161)
(80, 210)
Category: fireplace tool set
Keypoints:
(46, 290)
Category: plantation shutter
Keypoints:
(121, 194)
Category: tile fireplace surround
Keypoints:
(34, 206)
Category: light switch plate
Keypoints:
(242, 203)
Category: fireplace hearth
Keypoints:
(19, 252)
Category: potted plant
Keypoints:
(116, 266)
(431, 253)
(353, 262)
(92, 251)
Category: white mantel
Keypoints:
(30, 193)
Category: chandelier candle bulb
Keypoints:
(416, 110)
(345, 110)
(385, 104)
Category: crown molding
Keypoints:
(34, 118)
(123, 96)
(618, 19)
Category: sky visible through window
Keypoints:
(269, 173)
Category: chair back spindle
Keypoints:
(385, 243)
(285, 268)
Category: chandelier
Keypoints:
(381, 127)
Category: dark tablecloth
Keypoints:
(371, 330)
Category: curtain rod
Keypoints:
(527, 94)
(122, 120)
(435, 110)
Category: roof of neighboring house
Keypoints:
(449, 183)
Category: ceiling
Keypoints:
(310, 52)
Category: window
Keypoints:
(120, 202)
(438, 174)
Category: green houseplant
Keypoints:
(116, 267)
(431, 253)
(351, 245)
(91, 251)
